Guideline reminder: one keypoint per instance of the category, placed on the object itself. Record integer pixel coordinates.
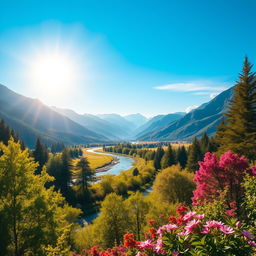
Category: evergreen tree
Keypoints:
(168, 158)
(158, 157)
(182, 156)
(194, 155)
(40, 155)
(205, 143)
(84, 174)
(65, 176)
(238, 132)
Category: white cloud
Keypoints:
(189, 87)
(188, 109)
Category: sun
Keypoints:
(53, 73)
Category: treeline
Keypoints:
(186, 157)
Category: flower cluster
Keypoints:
(186, 234)
(214, 176)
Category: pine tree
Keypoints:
(157, 158)
(65, 176)
(182, 156)
(84, 174)
(205, 143)
(40, 154)
(238, 132)
(168, 158)
(194, 155)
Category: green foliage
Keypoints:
(182, 156)
(238, 132)
(158, 157)
(173, 185)
(168, 158)
(249, 200)
(194, 155)
(137, 209)
(112, 222)
(40, 155)
(30, 212)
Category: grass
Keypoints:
(174, 145)
(96, 160)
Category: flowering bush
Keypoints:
(215, 176)
(187, 234)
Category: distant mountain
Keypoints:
(92, 123)
(137, 119)
(30, 119)
(203, 119)
(158, 122)
(123, 126)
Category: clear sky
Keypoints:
(118, 56)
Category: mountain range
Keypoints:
(30, 118)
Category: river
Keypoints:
(124, 163)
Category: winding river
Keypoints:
(124, 163)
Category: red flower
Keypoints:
(172, 219)
(181, 209)
(152, 232)
(129, 240)
(152, 222)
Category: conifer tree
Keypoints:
(40, 154)
(84, 174)
(157, 158)
(182, 156)
(205, 143)
(238, 132)
(194, 155)
(168, 158)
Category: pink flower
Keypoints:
(247, 234)
(191, 225)
(252, 243)
(159, 245)
(238, 224)
(168, 228)
(189, 216)
(213, 224)
(146, 244)
(175, 253)
(226, 229)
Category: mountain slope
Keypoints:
(31, 118)
(159, 123)
(195, 123)
(122, 126)
(137, 119)
(91, 122)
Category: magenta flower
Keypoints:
(252, 243)
(226, 229)
(247, 234)
(146, 244)
(191, 225)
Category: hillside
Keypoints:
(203, 119)
(31, 119)
(158, 122)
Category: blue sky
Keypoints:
(147, 56)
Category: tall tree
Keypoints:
(113, 221)
(168, 158)
(137, 208)
(157, 158)
(182, 156)
(194, 155)
(40, 154)
(84, 174)
(32, 214)
(65, 173)
(205, 143)
(238, 133)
